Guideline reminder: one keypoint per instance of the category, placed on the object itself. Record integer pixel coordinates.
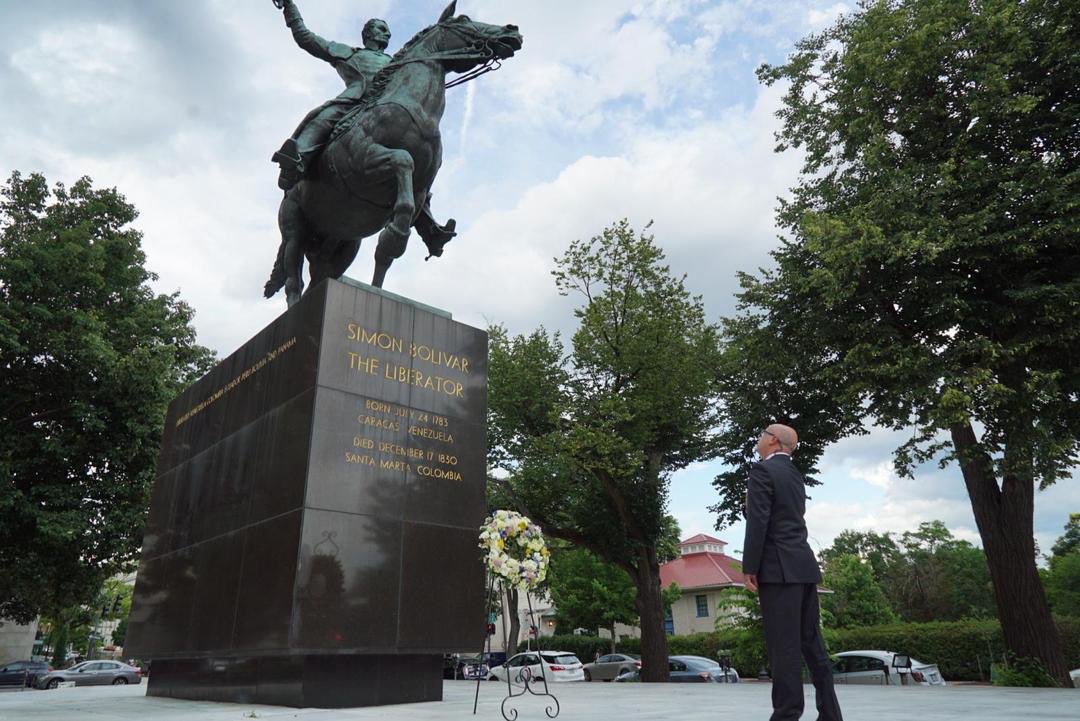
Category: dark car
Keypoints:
(22, 673)
(92, 673)
(473, 667)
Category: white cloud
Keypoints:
(881, 475)
(710, 191)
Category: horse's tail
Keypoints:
(277, 275)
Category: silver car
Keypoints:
(92, 673)
(884, 668)
(606, 668)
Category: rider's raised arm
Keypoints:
(319, 47)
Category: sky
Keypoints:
(640, 109)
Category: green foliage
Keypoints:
(962, 650)
(90, 358)
(877, 549)
(929, 280)
(1063, 584)
(926, 575)
(940, 578)
(745, 606)
(933, 271)
(586, 441)
(745, 637)
(120, 632)
(1070, 540)
(856, 598)
(669, 595)
(114, 601)
(1026, 672)
(1062, 579)
(589, 592)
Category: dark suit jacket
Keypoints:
(775, 548)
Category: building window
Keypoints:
(669, 623)
(702, 606)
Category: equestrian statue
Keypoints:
(364, 162)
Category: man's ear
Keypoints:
(448, 12)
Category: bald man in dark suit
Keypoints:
(780, 566)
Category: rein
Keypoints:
(481, 50)
(491, 60)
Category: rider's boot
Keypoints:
(435, 236)
(291, 162)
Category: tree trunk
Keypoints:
(515, 620)
(1005, 517)
(650, 608)
(60, 643)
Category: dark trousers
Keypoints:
(791, 616)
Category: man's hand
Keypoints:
(751, 583)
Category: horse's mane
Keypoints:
(378, 83)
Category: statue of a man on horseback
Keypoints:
(372, 171)
(356, 66)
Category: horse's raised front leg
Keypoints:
(395, 236)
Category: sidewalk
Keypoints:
(579, 701)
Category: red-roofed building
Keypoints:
(701, 571)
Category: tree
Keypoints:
(90, 358)
(590, 593)
(929, 575)
(588, 440)
(1063, 584)
(856, 598)
(1070, 540)
(928, 280)
(877, 549)
(742, 611)
(120, 632)
(1063, 576)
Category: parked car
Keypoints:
(92, 673)
(1075, 676)
(689, 669)
(474, 667)
(558, 666)
(19, 673)
(884, 668)
(606, 668)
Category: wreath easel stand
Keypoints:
(498, 578)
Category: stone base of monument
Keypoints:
(340, 681)
(313, 525)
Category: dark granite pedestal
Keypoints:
(312, 531)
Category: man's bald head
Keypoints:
(777, 438)
(786, 435)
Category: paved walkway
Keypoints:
(580, 702)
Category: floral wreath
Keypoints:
(515, 548)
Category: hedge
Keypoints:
(963, 650)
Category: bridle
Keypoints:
(476, 49)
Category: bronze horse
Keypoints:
(376, 171)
